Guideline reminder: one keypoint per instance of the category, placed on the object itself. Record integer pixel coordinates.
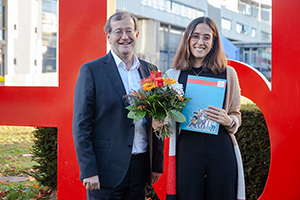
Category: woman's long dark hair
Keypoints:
(215, 61)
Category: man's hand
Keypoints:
(92, 183)
(155, 177)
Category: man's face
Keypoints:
(123, 37)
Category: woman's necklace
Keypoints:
(197, 74)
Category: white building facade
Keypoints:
(29, 29)
(28, 35)
(246, 23)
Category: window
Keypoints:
(253, 32)
(49, 33)
(254, 12)
(248, 10)
(176, 8)
(2, 72)
(265, 14)
(170, 38)
(2, 39)
(239, 28)
(254, 57)
(246, 57)
(157, 4)
(185, 11)
(242, 29)
(226, 24)
(266, 36)
(2, 20)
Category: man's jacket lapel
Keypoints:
(113, 74)
(143, 69)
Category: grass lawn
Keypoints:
(15, 157)
(15, 149)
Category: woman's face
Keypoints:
(201, 42)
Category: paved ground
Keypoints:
(13, 179)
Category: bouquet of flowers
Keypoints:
(159, 98)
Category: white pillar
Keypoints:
(148, 41)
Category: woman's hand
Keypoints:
(158, 124)
(218, 115)
(155, 177)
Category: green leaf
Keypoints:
(152, 97)
(172, 101)
(128, 107)
(139, 115)
(133, 101)
(161, 114)
(186, 100)
(177, 116)
(131, 114)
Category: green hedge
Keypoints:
(254, 143)
(44, 153)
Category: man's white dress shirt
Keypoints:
(131, 81)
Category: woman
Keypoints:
(207, 165)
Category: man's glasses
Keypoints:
(195, 37)
(119, 32)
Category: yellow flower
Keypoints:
(169, 81)
(148, 86)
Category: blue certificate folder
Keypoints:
(204, 91)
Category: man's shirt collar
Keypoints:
(119, 62)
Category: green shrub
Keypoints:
(254, 143)
(151, 194)
(45, 154)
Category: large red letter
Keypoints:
(279, 102)
(81, 38)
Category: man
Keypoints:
(115, 156)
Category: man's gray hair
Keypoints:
(117, 17)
